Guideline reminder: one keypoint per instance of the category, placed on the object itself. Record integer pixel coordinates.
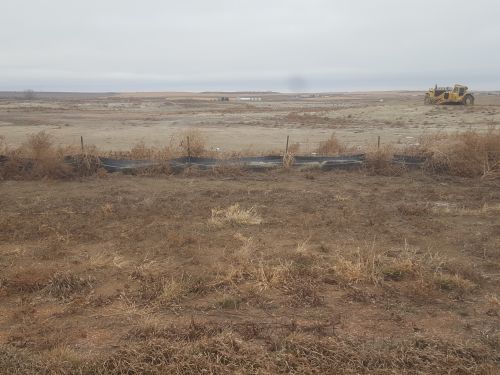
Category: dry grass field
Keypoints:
(119, 121)
(382, 270)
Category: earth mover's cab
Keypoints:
(447, 95)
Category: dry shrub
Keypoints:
(332, 146)
(234, 215)
(196, 146)
(467, 154)
(379, 161)
(34, 159)
(141, 151)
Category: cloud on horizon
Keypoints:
(314, 45)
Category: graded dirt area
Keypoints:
(256, 122)
(278, 272)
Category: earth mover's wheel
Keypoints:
(469, 100)
(427, 99)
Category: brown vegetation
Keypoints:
(468, 154)
(260, 273)
(332, 146)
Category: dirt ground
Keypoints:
(230, 271)
(118, 121)
(277, 272)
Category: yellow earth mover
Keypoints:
(448, 95)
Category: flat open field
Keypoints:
(284, 271)
(117, 122)
(310, 272)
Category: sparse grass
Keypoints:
(303, 292)
(454, 283)
(229, 302)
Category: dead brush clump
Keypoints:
(192, 142)
(467, 154)
(332, 146)
(378, 161)
(234, 215)
(64, 285)
(36, 158)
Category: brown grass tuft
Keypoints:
(64, 285)
(234, 215)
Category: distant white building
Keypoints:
(250, 98)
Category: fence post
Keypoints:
(189, 150)
(286, 148)
(378, 142)
(81, 141)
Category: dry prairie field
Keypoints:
(380, 270)
(119, 121)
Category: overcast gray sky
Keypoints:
(286, 45)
